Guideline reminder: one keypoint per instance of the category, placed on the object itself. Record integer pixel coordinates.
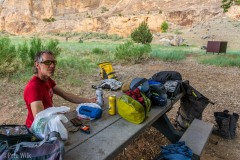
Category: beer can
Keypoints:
(112, 105)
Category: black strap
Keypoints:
(139, 83)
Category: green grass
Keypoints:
(75, 47)
(80, 59)
(172, 53)
(221, 60)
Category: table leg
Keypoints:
(166, 128)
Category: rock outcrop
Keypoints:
(110, 16)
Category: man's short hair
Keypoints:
(39, 58)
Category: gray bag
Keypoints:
(173, 88)
(51, 148)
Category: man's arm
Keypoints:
(36, 107)
(71, 97)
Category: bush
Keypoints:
(142, 34)
(226, 4)
(27, 53)
(51, 19)
(128, 52)
(164, 27)
(237, 2)
(104, 9)
(97, 51)
(8, 62)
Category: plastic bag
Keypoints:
(89, 105)
(46, 119)
(55, 124)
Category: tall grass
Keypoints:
(221, 60)
(171, 53)
(79, 59)
(7, 56)
(132, 53)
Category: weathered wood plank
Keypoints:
(197, 135)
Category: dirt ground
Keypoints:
(219, 84)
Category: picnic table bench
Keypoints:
(111, 134)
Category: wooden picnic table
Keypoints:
(111, 134)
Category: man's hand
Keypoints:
(92, 100)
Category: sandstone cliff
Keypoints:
(110, 16)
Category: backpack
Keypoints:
(173, 88)
(132, 110)
(51, 148)
(158, 93)
(226, 124)
(12, 134)
(192, 105)
(106, 71)
(142, 84)
(164, 76)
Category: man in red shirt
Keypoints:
(39, 91)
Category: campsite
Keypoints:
(216, 76)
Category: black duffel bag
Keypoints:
(164, 76)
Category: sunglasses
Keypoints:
(49, 62)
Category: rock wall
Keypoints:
(111, 16)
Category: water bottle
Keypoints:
(99, 95)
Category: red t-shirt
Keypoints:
(38, 90)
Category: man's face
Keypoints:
(46, 67)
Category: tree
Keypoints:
(164, 26)
(142, 34)
(226, 4)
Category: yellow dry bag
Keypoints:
(106, 71)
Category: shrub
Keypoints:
(129, 52)
(7, 56)
(27, 53)
(97, 51)
(142, 34)
(164, 27)
(237, 2)
(104, 9)
(51, 19)
(226, 4)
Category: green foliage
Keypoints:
(132, 53)
(170, 55)
(164, 27)
(104, 9)
(51, 19)
(80, 40)
(173, 53)
(8, 62)
(221, 60)
(97, 51)
(142, 34)
(27, 53)
(52, 45)
(89, 35)
(226, 4)
(237, 2)
(23, 51)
